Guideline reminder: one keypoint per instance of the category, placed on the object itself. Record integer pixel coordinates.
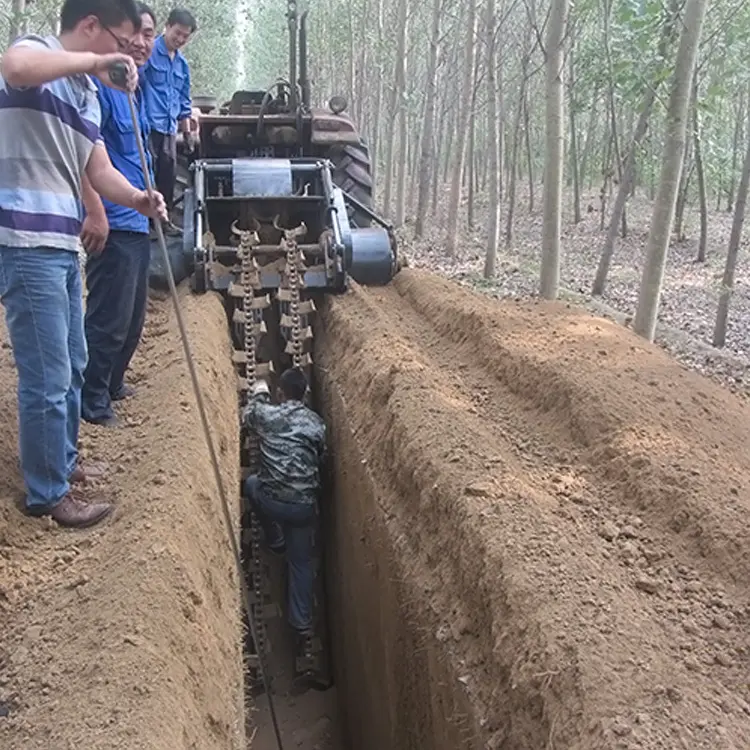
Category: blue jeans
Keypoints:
(117, 283)
(41, 292)
(291, 524)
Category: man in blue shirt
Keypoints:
(168, 102)
(116, 239)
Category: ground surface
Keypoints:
(565, 510)
(128, 636)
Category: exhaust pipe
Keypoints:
(303, 79)
(292, 20)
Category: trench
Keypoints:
(392, 687)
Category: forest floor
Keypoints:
(690, 291)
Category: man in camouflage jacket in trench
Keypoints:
(284, 493)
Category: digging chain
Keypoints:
(294, 283)
(252, 327)
(294, 324)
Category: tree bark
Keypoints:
(727, 282)
(464, 114)
(376, 148)
(735, 150)
(529, 159)
(550, 272)
(403, 137)
(395, 106)
(574, 170)
(427, 155)
(702, 197)
(644, 323)
(493, 145)
(513, 161)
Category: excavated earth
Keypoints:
(129, 635)
(540, 529)
(537, 540)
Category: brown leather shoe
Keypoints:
(88, 471)
(74, 513)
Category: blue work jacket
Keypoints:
(120, 139)
(167, 88)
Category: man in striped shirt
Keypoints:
(49, 104)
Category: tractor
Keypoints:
(277, 211)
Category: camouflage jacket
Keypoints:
(292, 447)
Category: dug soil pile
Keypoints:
(128, 635)
(540, 533)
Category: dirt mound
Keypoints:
(128, 636)
(554, 516)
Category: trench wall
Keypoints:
(396, 680)
(129, 635)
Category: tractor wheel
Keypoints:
(353, 174)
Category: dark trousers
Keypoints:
(117, 283)
(164, 151)
(290, 525)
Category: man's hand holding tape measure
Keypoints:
(117, 71)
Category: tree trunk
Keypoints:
(574, 171)
(403, 138)
(702, 198)
(590, 135)
(464, 114)
(513, 161)
(394, 106)
(471, 168)
(492, 144)
(375, 153)
(682, 193)
(436, 171)
(727, 282)
(646, 314)
(529, 159)
(617, 158)
(427, 156)
(735, 150)
(553, 175)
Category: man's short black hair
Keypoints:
(110, 13)
(293, 384)
(183, 18)
(143, 9)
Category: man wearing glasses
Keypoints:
(168, 101)
(50, 114)
(117, 242)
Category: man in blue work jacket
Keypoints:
(168, 100)
(117, 242)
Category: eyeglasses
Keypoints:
(122, 44)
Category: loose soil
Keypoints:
(129, 635)
(553, 514)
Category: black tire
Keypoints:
(352, 173)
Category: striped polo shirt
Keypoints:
(48, 133)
